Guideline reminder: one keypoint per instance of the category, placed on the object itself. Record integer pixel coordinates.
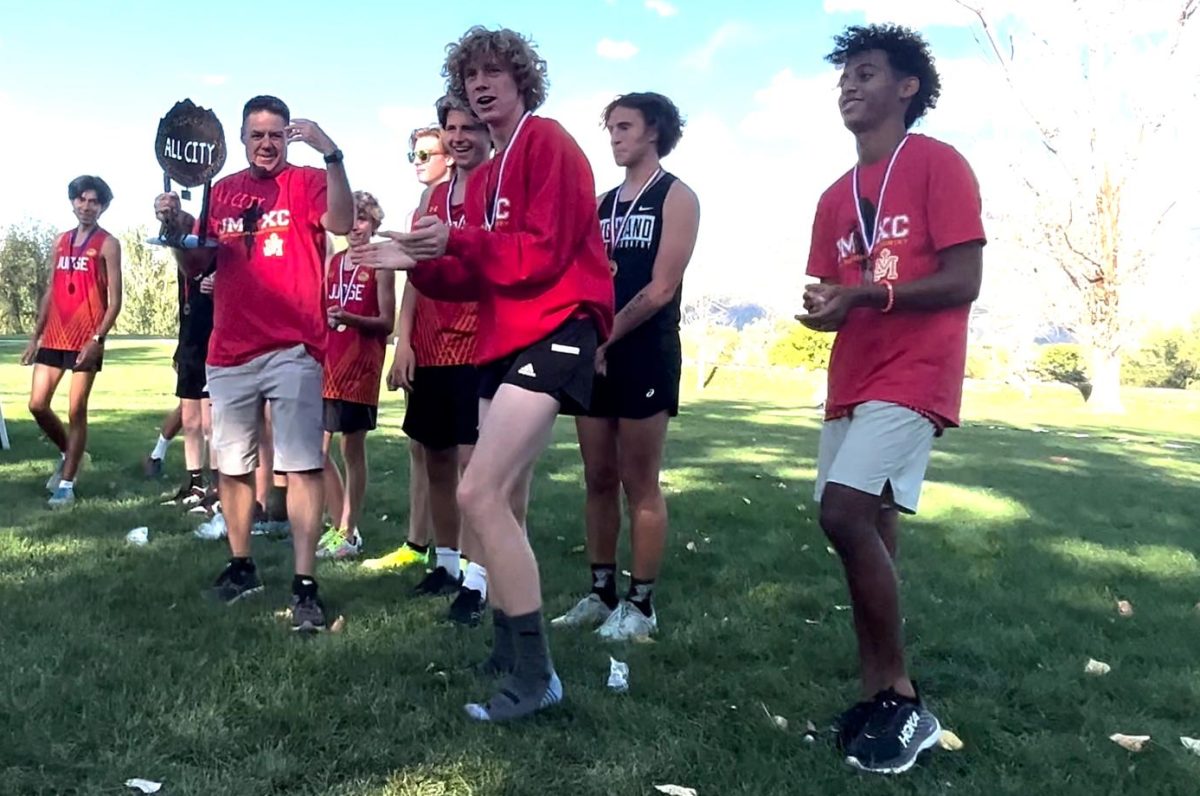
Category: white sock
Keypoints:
(447, 559)
(160, 447)
(476, 578)
(67, 485)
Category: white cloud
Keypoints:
(662, 8)
(616, 50)
(214, 80)
(729, 33)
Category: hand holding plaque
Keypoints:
(190, 146)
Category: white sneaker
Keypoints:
(627, 623)
(588, 612)
(55, 477)
(63, 496)
(213, 529)
(340, 548)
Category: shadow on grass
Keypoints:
(1010, 579)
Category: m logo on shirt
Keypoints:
(273, 246)
(891, 228)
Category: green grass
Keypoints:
(112, 667)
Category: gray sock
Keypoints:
(532, 685)
(532, 667)
(503, 656)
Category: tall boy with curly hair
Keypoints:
(897, 245)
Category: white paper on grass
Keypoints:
(144, 785)
(138, 536)
(618, 675)
(675, 790)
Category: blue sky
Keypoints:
(82, 86)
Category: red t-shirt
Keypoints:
(270, 264)
(78, 291)
(353, 357)
(543, 262)
(444, 331)
(916, 359)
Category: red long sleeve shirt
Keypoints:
(543, 261)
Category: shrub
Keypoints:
(1061, 362)
(797, 346)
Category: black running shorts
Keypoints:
(561, 365)
(442, 411)
(348, 417)
(63, 360)
(191, 378)
(642, 380)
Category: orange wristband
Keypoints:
(891, 301)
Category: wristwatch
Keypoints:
(334, 157)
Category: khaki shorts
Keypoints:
(290, 380)
(880, 444)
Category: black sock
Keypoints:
(641, 594)
(304, 586)
(243, 562)
(195, 479)
(214, 478)
(604, 583)
(420, 548)
(532, 666)
(277, 503)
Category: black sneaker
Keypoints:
(896, 733)
(234, 583)
(308, 614)
(437, 583)
(468, 607)
(849, 724)
(185, 497)
(208, 505)
(152, 468)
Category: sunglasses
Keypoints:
(422, 156)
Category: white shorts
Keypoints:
(291, 381)
(878, 445)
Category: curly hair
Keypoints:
(367, 206)
(907, 53)
(659, 113)
(430, 131)
(509, 49)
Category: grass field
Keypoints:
(1036, 520)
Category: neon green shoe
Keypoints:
(403, 556)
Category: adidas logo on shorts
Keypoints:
(527, 370)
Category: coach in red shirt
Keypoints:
(269, 329)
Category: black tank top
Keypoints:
(195, 316)
(636, 251)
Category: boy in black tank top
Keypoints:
(649, 226)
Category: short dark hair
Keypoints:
(510, 49)
(659, 113)
(88, 182)
(907, 53)
(265, 102)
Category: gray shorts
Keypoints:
(880, 444)
(290, 380)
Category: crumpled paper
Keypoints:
(618, 675)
